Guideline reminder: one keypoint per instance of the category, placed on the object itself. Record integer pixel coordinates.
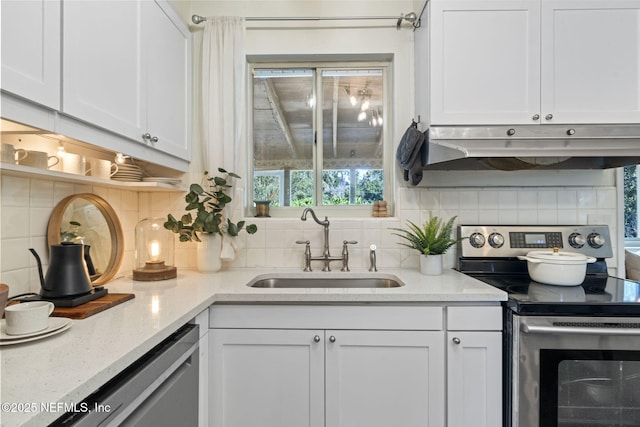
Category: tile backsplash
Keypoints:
(27, 204)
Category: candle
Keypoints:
(155, 250)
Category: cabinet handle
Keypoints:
(511, 132)
(456, 340)
(548, 117)
(154, 139)
(146, 136)
(332, 338)
(571, 132)
(536, 117)
(316, 338)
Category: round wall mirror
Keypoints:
(90, 220)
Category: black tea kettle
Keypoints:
(67, 274)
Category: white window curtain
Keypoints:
(223, 101)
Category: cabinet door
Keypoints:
(484, 61)
(591, 61)
(266, 378)
(166, 61)
(385, 378)
(103, 78)
(474, 375)
(31, 50)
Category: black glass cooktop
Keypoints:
(597, 295)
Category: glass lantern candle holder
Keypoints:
(154, 256)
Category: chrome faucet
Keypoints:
(326, 254)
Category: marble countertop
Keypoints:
(38, 378)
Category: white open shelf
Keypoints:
(31, 172)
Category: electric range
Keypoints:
(571, 354)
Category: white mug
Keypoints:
(9, 154)
(101, 168)
(28, 317)
(73, 163)
(38, 159)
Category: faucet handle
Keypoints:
(349, 242)
(307, 254)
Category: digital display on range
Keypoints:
(535, 239)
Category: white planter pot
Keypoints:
(431, 265)
(208, 252)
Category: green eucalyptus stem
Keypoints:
(209, 205)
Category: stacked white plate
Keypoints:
(128, 172)
(56, 326)
(172, 181)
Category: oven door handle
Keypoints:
(587, 330)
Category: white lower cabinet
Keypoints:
(384, 378)
(317, 366)
(474, 366)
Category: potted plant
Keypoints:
(209, 224)
(431, 240)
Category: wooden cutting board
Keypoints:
(92, 307)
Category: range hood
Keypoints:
(533, 147)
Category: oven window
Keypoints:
(588, 388)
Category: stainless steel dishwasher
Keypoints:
(159, 389)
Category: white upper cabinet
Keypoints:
(31, 50)
(485, 59)
(103, 65)
(128, 71)
(533, 61)
(591, 61)
(166, 58)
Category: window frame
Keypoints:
(356, 211)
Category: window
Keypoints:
(631, 207)
(318, 134)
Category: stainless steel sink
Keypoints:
(328, 282)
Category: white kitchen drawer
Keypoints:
(378, 317)
(474, 318)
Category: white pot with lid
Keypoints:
(557, 268)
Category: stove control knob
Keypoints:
(496, 240)
(577, 240)
(476, 240)
(595, 240)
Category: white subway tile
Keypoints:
(15, 222)
(527, 200)
(450, 200)
(41, 194)
(587, 199)
(15, 191)
(15, 254)
(606, 198)
(548, 199)
(488, 200)
(567, 199)
(507, 199)
(469, 200)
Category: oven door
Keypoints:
(575, 371)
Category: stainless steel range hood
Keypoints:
(533, 147)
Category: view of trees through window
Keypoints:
(318, 124)
(337, 187)
(631, 201)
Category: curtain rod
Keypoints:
(409, 17)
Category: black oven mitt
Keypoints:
(412, 153)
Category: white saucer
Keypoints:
(55, 324)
